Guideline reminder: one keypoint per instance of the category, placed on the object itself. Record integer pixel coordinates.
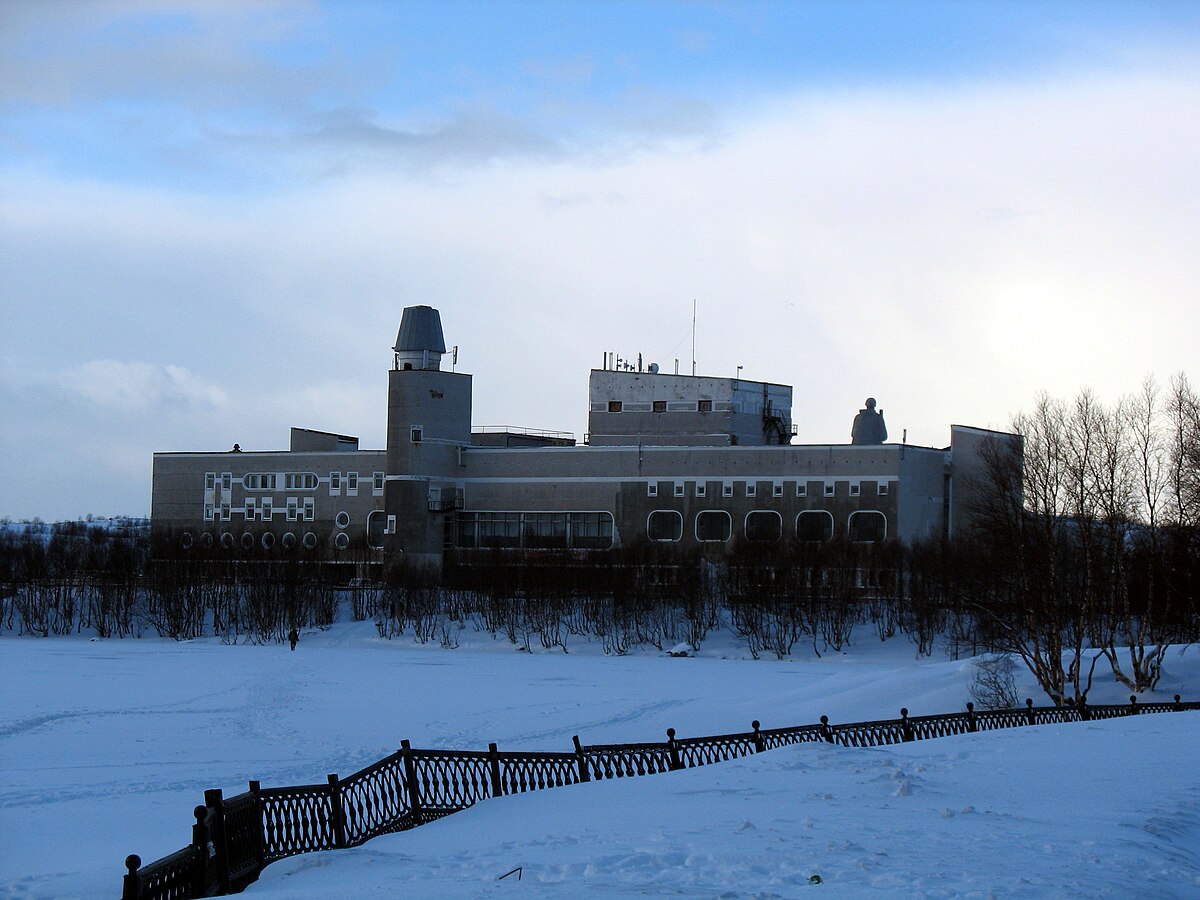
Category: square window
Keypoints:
(751, 488)
(614, 405)
(855, 490)
(660, 405)
(652, 489)
(801, 488)
(829, 489)
(883, 489)
(704, 406)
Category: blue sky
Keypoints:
(214, 212)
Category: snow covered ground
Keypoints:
(106, 746)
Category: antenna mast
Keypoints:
(693, 336)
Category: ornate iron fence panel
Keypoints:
(627, 760)
(375, 801)
(703, 751)
(450, 780)
(243, 839)
(522, 772)
(869, 734)
(773, 738)
(296, 820)
(172, 877)
(926, 727)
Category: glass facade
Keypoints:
(530, 530)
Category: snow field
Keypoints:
(107, 745)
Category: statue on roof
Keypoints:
(868, 425)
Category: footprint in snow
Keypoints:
(747, 825)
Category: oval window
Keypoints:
(268, 541)
(206, 540)
(342, 519)
(342, 541)
(185, 540)
(310, 540)
(289, 541)
(227, 541)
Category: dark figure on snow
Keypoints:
(293, 638)
(868, 425)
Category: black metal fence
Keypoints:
(234, 839)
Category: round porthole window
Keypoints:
(342, 519)
(289, 541)
(342, 541)
(310, 540)
(268, 541)
(247, 540)
(206, 540)
(185, 540)
(227, 541)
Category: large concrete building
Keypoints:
(673, 459)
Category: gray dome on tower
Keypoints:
(419, 343)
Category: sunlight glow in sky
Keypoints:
(213, 213)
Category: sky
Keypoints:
(212, 214)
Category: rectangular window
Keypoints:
(652, 489)
(391, 525)
(208, 512)
(829, 489)
(226, 481)
(614, 405)
(260, 481)
(727, 489)
(250, 509)
(226, 512)
(660, 405)
(310, 511)
(335, 484)
(416, 434)
(377, 483)
(751, 488)
(210, 480)
(266, 509)
(701, 488)
(678, 488)
(293, 508)
(855, 490)
(299, 481)
(351, 484)
(801, 488)
(883, 489)
(704, 406)
(777, 489)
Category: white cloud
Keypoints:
(951, 251)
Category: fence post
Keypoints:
(411, 782)
(584, 774)
(200, 841)
(759, 743)
(131, 886)
(255, 791)
(494, 771)
(1178, 705)
(1084, 715)
(906, 729)
(972, 725)
(673, 751)
(826, 730)
(1029, 711)
(219, 859)
(337, 812)
(1133, 707)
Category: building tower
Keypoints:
(429, 427)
